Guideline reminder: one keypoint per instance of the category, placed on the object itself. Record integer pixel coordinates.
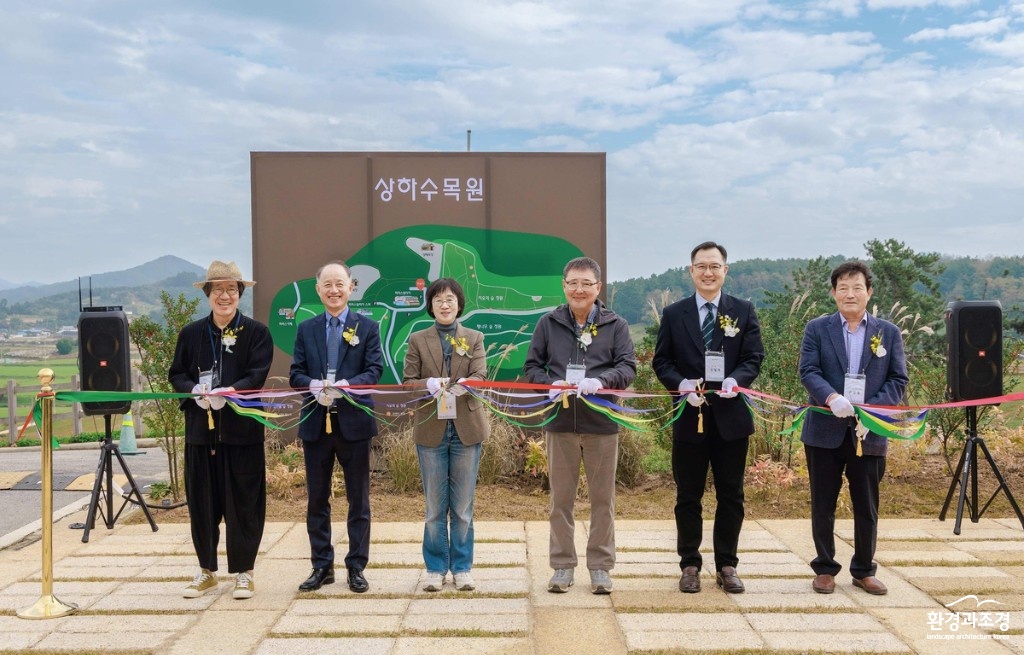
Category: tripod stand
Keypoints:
(969, 466)
(105, 473)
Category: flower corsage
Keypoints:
(876, 345)
(460, 345)
(229, 337)
(350, 337)
(728, 324)
(587, 335)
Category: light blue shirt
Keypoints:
(343, 316)
(702, 310)
(855, 343)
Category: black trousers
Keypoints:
(825, 468)
(228, 483)
(354, 457)
(690, 462)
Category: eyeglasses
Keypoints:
(579, 284)
(451, 302)
(704, 268)
(232, 291)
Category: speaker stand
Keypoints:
(105, 473)
(969, 466)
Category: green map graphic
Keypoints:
(510, 279)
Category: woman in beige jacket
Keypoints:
(449, 433)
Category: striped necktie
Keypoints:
(707, 327)
(333, 344)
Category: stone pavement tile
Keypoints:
(498, 580)
(125, 623)
(807, 622)
(924, 557)
(565, 630)
(493, 530)
(14, 602)
(983, 547)
(397, 531)
(1013, 523)
(962, 586)
(349, 606)
(795, 534)
(667, 569)
(725, 632)
(61, 588)
(912, 627)
(120, 549)
(218, 632)
(129, 604)
(382, 582)
(277, 584)
(382, 646)
(463, 646)
(19, 641)
(646, 557)
(901, 592)
(903, 545)
(499, 624)
(294, 543)
(77, 567)
(835, 642)
(107, 642)
(1008, 602)
(664, 526)
(660, 600)
(466, 606)
(496, 553)
(790, 600)
(363, 625)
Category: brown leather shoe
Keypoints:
(729, 581)
(689, 583)
(824, 583)
(872, 585)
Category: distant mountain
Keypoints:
(145, 274)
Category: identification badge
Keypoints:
(853, 388)
(714, 366)
(574, 373)
(210, 380)
(330, 377)
(446, 406)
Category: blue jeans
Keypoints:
(449, 483)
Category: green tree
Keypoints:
(65, 346)
(156, 343)
(908, 278)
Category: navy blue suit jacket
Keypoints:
(823, 367)
(359, 364)
(679, 355)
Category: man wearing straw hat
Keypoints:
(225, 465)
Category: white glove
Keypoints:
(334, 390)
(728, 388)
(588, 386)
(434, 386)
(555, 394)
(199, 393)
(316, 387)
(695, 399)
(458, 389)
(841, 407)
(217, 402)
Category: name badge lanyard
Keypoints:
(854, 388)
(576, 369)
(446, 401)
(212, 377)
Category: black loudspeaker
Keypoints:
(104, 360)
(974, 340)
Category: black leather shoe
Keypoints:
(689, 583)
(356, 581)
(318, 578)
(729, 581)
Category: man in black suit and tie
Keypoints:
(336, 349)
(708, 342)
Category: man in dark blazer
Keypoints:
(848, 357)
(709, 342)
(332, 428)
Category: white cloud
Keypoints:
(52, 187)
(962, 31)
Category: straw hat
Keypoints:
(221, 272)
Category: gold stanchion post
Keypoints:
(48, 606)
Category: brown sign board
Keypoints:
(309, 208)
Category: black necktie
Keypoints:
(708, 326)
(332, 344)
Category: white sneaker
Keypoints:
(600, 582)
(245, 587)
(464, 581)
(561, 581)
(433, 582)
(204, 581)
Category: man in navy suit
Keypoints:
(336, 349)
(710, 341)
(847, 358)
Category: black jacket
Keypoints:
(244, 368)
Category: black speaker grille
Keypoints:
(104, 358)
(975, 350)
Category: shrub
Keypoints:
(286, 471)
(398, 451)
(65, 346)
(633, 450)
(502, 456)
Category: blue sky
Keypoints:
(781, 129)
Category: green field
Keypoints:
(25, 374)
